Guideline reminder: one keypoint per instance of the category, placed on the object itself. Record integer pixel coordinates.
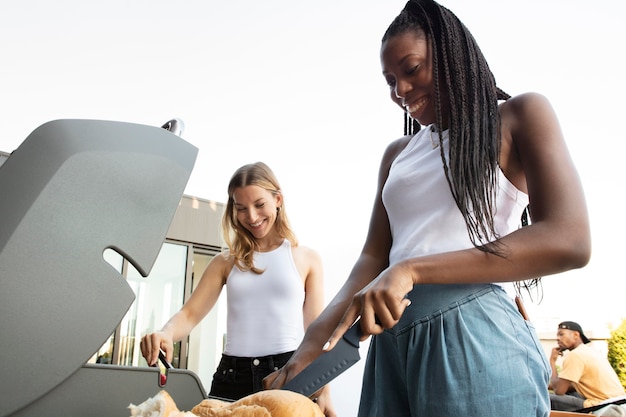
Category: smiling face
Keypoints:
(256, 210)
(407, 66)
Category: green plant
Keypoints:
(617, 351)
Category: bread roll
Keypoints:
(269, 403)
(161, 405)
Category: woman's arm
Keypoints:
(373, 259)
(309, 264)
(199, 304)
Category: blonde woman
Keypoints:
(274, 288)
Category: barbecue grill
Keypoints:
(71, 190)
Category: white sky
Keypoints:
(298, 85)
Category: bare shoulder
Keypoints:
(222, 264)
(223, 258)
(530, 131)
(391, 153)
(525, 100)
(308, 262)
(305, 254)
(530, 123)
(526, 110)
(394, 148)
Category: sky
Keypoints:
(298, 85)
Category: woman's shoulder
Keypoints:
(393, 150)
(524, 107)
(528, 116)
(304, 255)
(528, 126)
(224, 261)
(307, 251)
(223, 256)
(525, 97)
(397, 145)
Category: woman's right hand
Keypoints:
(300, 360)
(279, 378)
(152, 343)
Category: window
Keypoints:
(158, 297)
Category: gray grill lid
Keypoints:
(71, 190)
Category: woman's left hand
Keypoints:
(380, 304)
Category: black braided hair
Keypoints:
(411, 126)
(461, 71)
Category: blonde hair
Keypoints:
(241, 243)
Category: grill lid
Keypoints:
(71, 190)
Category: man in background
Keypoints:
(586, 378)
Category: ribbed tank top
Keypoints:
(423, 216)
(264, 312)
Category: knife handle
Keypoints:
(353, 335)
(164, 361)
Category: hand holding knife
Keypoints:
(329, 364)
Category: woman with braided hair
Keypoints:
(433, 283)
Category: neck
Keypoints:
(269, 244)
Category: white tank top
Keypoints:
(265, 311)
(423, 216)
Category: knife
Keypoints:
(329, 365)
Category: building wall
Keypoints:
(197, 221)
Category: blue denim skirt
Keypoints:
(458, 350)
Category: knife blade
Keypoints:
(329, 365)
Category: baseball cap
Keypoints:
(571, 325)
